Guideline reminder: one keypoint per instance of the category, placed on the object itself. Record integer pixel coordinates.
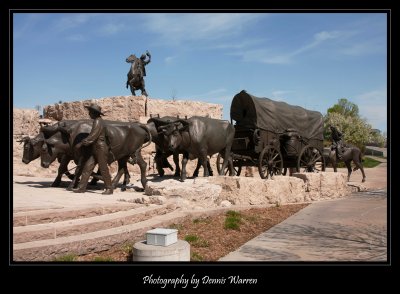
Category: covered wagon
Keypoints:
(274, 136)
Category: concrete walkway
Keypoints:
(347, 229)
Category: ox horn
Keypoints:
(24, 139)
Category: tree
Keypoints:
(173, 94)
(345, 108)
(355, 130)
(345, 116)
(377, 139)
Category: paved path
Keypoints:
(347, 229)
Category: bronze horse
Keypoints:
(350, 154)
(136, 73)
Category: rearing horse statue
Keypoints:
(137, 72)
(350, 154)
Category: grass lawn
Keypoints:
(367, 163)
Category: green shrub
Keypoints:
(66, 258)
(196, 257)
(191, 238)
(233, 213)
(232, 223)
(201, 220)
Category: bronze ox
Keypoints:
(125, 140)
(200, 137)
(162, 147)
(32, 149)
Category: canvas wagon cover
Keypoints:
(266, 114)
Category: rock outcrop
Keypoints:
(25, 122)
(225, 191)
(132, 108)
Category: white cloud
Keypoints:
(267, 56)
(73, 20)
(319, 38)
(324, 35)
(177, 28)
(111, 28)
(373, 107)
(239, 45)
(22, 29)
(365, 48)
(169, 59)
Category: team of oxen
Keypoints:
(195, 137)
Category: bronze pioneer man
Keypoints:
(96, 138)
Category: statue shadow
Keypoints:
(157, 179)
(47, 184)
(41, 184)
(336, 242)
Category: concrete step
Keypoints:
(47, 250)
(32, 217)
(78, 226)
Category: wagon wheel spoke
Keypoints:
(309, 159)
(270, 162)
(236, 166)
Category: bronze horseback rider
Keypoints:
(137, 72)
(337, 141)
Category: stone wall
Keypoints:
(133, 108)
(25, 122)
(225, 191)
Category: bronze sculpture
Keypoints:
(199, 137)
(341, 152)
(125, 139)
(96, 138)
(351, 153)
(137, 72)
(337, 141)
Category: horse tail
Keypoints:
(144, 127)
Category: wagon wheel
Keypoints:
(310, 160)
(270, 162)
(236, 165)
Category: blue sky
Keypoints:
(306, 59)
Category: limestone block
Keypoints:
(25, 122)
(183, 108)
(197, 190)
(226, 203)
(324, 185)
(256, 191)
